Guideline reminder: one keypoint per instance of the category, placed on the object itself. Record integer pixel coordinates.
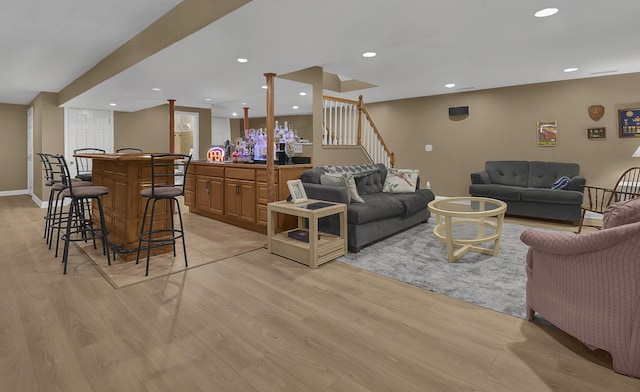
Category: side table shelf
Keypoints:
(322, 247)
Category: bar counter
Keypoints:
(126, 175)
(236, 193)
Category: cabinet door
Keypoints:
(209, 194)
(216, 195)
(240, 200)
(248, 200)
(232, 198)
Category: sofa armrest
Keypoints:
(335, 194)
(577, 183)
(480, 178)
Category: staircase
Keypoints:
(348, 123)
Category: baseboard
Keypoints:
(14, 193)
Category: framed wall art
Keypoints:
(629, 123)
(597, 133)
(547, 133)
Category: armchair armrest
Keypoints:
(577, 183)
(571, 244)
(335, 194)
(480, 178)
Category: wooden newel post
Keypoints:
(271, 151)
(360, 111)
(172, 125)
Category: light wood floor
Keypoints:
(262, 323)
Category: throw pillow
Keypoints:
(621, 213)
(343, 179)
(400, 180)
(561, 183)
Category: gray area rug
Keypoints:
(416, 257)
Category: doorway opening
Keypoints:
(185, 133)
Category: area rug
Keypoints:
(207, 241)
(416, 257)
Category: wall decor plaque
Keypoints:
(596, 112)
(629, 123)
(596, 133)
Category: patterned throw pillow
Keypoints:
(347, 180)
(400, 180)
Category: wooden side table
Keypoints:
(322, 247)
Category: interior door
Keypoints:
(87, 129)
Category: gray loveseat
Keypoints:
(381, 215)
(526, 188)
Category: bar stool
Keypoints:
(53, 176)
(79, 225)
(83, 165)
(168, 172)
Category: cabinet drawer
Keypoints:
(240, 174)
(213, 171)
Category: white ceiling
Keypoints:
(421, 46)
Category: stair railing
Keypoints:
(348, 123)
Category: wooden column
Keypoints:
(246, 118)
(172, 126)
(271, 189)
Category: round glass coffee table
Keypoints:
(463, 223)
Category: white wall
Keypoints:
(220, 130)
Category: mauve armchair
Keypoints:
(588, 285)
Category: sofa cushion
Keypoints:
(414, 201)
(372, 183)
(551, 196)
(544, 174)
(377, 206)
(514, 173)
(400, 180)
(502, 192)
(621, 213)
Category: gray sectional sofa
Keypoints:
(381, 215)
(526, 188)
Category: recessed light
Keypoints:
(208, 99)
(156, 89)
(294, 107)
(243, 104)
(234, 114)
(242, 60)
(303, 93)
(265, 87)
(570, 69)
(546, 12)
(450, 85)
(113, 104)
(369, 54)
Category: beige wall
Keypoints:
(13, 149)
(501, 125)
(149, 129)
(48, 136)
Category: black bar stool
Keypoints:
(79, 224)
(53, 175)
(83, 165)
(168, 173)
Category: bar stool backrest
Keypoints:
(129, 150)
(83, 165)
(60, 171)
(46, 167)
(168, 171)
